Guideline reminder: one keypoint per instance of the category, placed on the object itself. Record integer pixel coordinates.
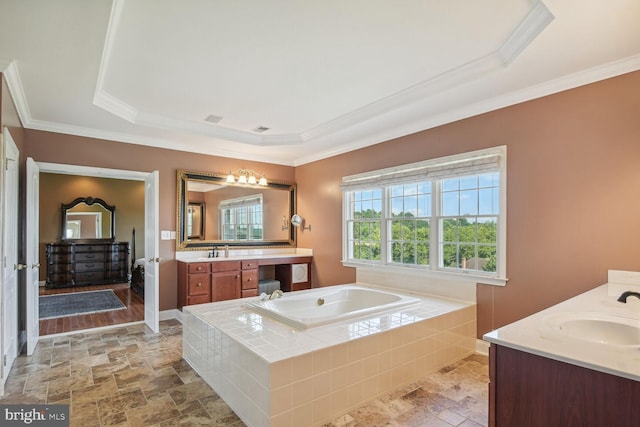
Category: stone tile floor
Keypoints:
(129, 376)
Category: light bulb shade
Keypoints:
(230, 178)
(252, 180)
(242, 179)
(263, 181)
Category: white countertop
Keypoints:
(243, 254)
(242, 257)
(535, 335)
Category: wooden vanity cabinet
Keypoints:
(527, 390)
(225, 280)
(237, 278)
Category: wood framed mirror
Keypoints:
(87, 219)
(237, 215)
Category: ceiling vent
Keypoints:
(213, 119)
(261, 129)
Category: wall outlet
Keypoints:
(165, 235)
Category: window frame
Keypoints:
(245, 202)
(435, 170)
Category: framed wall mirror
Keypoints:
(88, 218)
(212, 212)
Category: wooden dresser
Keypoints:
(82, 264)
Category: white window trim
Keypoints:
(456, 165)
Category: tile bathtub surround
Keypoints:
(131, 377)
(274, 375)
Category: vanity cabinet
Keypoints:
(225, 280)
(83, 264)
(237, 278)
(529, 390)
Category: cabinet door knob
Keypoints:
(199, 284)
(249, 279)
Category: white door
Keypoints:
(33, 263)
(10, 253)
(151, 251)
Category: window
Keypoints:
(241, 218)
(445, 215)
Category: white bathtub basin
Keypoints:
(305, 309)
(607, 329)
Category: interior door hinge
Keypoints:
(4, 360)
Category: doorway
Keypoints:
(134, 302)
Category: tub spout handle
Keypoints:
(320, 301)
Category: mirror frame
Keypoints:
(89, 201)
(182, 243)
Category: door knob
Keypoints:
(19, 266)
(35, 265)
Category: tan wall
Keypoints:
(74, 150)
(573, 193)
(126, 195)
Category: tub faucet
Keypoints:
(276, 294)
(226, 251)
(627, 294)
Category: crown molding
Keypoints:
(16, 90)
(346, 143)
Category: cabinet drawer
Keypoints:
(89, 276)
(225, 266)
(198, 299)
(198, 267)
(89, 266)
(249, 264)
(89, 256)
(199, 284)
(250, 279)
(249, 293)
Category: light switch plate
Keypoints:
(165, 235)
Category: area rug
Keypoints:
(62, 305)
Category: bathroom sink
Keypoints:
(607, 329)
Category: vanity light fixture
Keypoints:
(246, 176)
(298, 221)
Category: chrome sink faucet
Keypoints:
(276, 294)
(627, 294)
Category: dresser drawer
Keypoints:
(90, 248)
(250, 279)
(59, 268)
(62, 277)
(89, 266)
(198, 267)
(199, 284)
(89, 256)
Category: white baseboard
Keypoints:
(482, 347)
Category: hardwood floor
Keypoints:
(133, 313)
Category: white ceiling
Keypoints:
(325, 77)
